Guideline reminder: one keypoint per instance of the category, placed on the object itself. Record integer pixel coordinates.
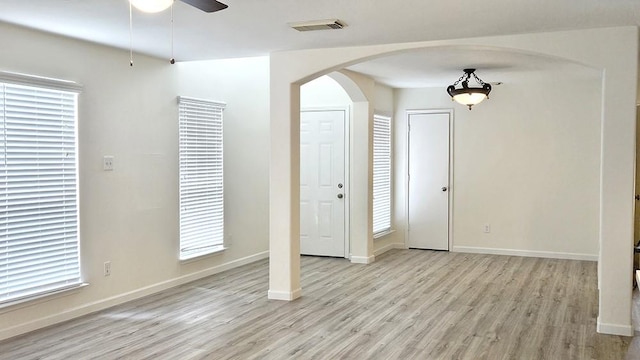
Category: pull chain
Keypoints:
(130, 35)
(173, 60)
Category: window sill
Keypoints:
(215, 252)
(41, 298)
(383, 234)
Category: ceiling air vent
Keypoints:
(331, 24)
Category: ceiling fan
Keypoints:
(153, 6)
(206, 5)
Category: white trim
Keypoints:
(221, 249)
(284, 295)
(388, 247)
(348, 115)
(40, 81)
(220, 104)
(525, 253)
(450, 186)
(363, 259)
(614, 329)
(381, 234)
(129, 296)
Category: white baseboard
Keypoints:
(525, 253)
(284, 295)
(122, 298)
(388, 247)
(362, 259)
(615, 329)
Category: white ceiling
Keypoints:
(258, 27)
(440, 67)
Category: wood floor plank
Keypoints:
(409, 304)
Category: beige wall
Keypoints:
(526, 161)
(130, 216)
(383, 100)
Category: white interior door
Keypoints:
(322, 185)
(428, 196)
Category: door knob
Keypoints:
(444, 188)
(340, 196)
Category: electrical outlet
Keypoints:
(107, 163)
(487, 228)
(107, 268)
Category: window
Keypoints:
(381, 174)
(201, 178)
(39, 245)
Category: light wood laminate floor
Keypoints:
(409, 304)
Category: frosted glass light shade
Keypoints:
(467, 95)
(151, 6)
(470, 99)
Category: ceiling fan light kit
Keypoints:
(151, 6)
(155, 6)
(466, 95)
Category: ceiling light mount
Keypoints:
(466, 95)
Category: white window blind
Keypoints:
(39, 246)
(381, 174)
(201, 177)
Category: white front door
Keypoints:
(429, 181)
(322, 182)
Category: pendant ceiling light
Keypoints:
(466, 95)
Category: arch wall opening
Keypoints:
(612, 51)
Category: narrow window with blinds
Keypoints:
(39, 245)
(201, 177)
(381, 174)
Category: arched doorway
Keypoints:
(618, 59)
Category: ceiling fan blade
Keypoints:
(206, 5)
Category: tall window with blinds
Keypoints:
(381, 174)
(39, 245)
(201, 177)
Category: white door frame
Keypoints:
(347, 168)
(451, 188)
